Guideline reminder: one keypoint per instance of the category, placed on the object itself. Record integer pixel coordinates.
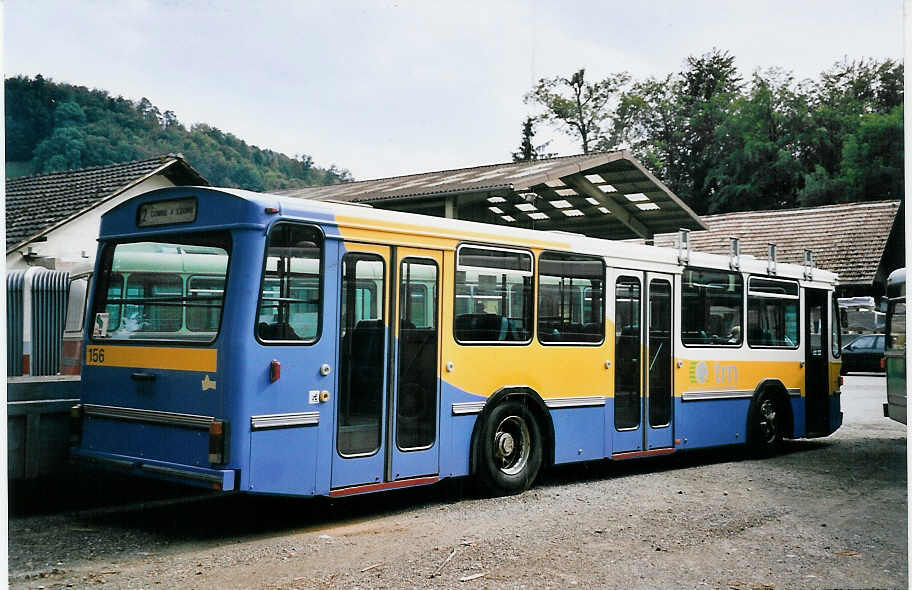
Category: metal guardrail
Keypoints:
(36, 304)
(14, 282)
(38, 424)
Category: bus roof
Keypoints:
(436, 231)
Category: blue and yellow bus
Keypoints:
(267, 344)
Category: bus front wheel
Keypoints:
(509, 451)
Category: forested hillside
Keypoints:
(52, 126)
(723, 143)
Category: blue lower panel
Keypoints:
(710, 423)
(283, 461)
(799, 424)
(183, 446)
(579, 434)
(220, 479)
(455, 462)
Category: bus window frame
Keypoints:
(760, 295)
(538, 297)
(836, 327)
(532, 290)
(220, 238)
(680, 301)
(144, 273)
(321, 287)
(189, 280)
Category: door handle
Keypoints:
(143, 377)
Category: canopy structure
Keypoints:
(606, 195)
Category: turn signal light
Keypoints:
(217, 438)
(76, 425)
(883, 363)
(275, 371)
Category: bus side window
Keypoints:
(711, 307)
(290, 306)
(570, 294)
(493, 295)
(772, 313)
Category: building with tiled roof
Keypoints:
(605, 195)
(861, 242)
(52, 219)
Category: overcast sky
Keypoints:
(388, 88)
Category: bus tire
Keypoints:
(509, 449)
(766, 425)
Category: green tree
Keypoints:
(758, 166)
(577, 107)
(527, 150)
(54, 127)
(671, 124)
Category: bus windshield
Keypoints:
(162, 290)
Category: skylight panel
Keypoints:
(572, 212)
(560, 204)
(509, 218)
(538, 215)
(554, 183)
(497, 210)
(592, 201)
(605, 210)
(635, 197)
(496, 200)
(647, 206)
(594, 178)
(607, 188)
(526, 207)
(565, 192)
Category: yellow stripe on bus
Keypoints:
(203, 360)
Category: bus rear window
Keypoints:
(290, 308)
(162, 290)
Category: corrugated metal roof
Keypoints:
(605, 195)
(846, 239)
(35, 204)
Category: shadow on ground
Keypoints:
(171, 513)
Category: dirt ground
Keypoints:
(825, 513)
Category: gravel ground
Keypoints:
(825, 513)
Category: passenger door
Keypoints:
(816, 371)
(387, 382)
(642, 390)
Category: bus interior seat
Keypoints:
(278, 331)
(481, 327)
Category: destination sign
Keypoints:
(167, 212)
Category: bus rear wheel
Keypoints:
(509, 449)
(766, 426)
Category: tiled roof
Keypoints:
(37, 203)
(604, 194)
(846, 239)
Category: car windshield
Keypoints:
(162, 290)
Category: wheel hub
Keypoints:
(512, 445)
(505, 443)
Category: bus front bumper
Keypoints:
(213, 479)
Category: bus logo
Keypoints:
(699, 372)
(208, 383)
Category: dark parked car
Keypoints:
(864, 354)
